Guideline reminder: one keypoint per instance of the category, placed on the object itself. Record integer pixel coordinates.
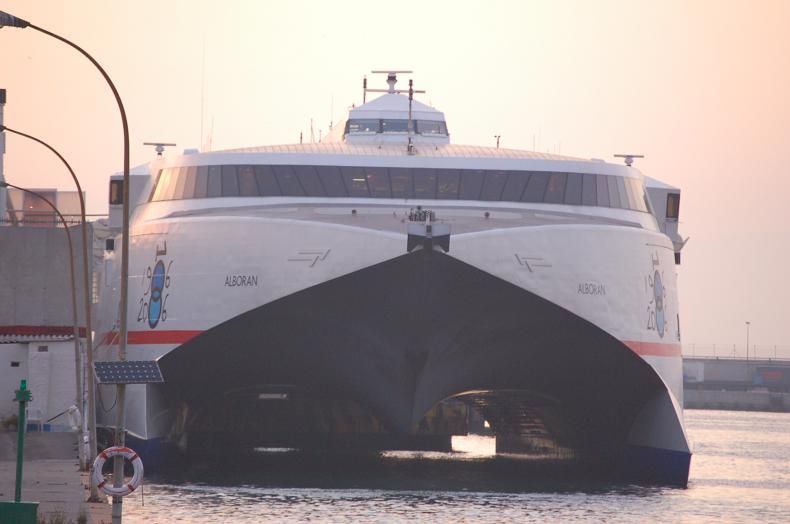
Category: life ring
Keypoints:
(125, 489)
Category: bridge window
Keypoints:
(673, 205)
(573, 189)
(602, 190)
(589, 191)
(493, 185)
(356, 182)
(471, 184)
(267, 182)
(364, 126)
(230, 184)
(448, 184)
(431, 127)
(378, 182)
(166, 182)
(425, 183)
(614, 195)
(178, 192)
(289, 183)
(188, 191)
(402, 182)
(394, 126)
(332, 181)
(624, 203)
(556, 188)
(214, 181)
(514, 187)
(637, 193)
(176, 183)
(247, 184)
(536, 188)
(116, 192)
(309, 180)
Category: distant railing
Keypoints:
(49, 220)
(734, 351)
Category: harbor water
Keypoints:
(740, 473)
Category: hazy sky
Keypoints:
(702, 88)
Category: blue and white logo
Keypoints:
(156, 284)
(656, 295)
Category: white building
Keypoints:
(45, 358)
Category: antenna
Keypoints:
(159, 147)
(410, 125)
(202, 89)
(392, 79)
(210, 140)
(629, 158)
(497, 140)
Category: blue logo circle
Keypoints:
(157, 285)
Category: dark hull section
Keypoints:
(373, 352)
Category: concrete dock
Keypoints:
(51, 477)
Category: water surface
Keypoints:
(740, 472)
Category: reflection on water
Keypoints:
(740, 473)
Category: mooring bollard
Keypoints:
(18, 511)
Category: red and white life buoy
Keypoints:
(125, 489)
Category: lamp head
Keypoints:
(12, 21)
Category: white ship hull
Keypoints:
(574, 307)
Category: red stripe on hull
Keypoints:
(175, 336)
(161, 337)
(653, 349)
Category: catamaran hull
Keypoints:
(559, 335)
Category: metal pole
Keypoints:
(87, 259)
(747, 340)
(3, 210)
(6, 19)
(22, 396)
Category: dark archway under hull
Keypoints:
(385, 345)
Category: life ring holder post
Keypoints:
(126, 487)
(120, 373)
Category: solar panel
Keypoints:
(128, 372)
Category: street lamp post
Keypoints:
(73, 293)
(747, 339)
(86, 260)
(12, 21)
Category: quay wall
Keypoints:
(736, 384)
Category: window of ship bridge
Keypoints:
(176, 183)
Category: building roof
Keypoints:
(26, 334)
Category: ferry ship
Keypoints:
(376, 288)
